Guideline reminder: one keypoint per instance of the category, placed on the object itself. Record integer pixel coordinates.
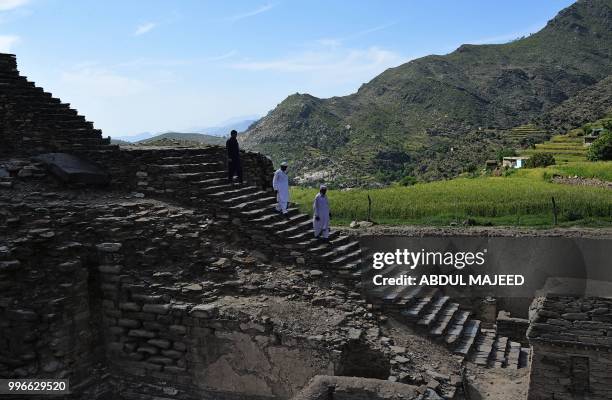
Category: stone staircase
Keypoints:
(255, 207)
(434, 314)
(34, 121)
(427, 309)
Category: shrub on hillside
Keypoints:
(540, 160)
(601, 148)
(505, 152)
(408, 180)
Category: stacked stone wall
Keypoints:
(513, 328)
(88, 293)
(571, 339)
(32, 121)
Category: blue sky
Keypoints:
(133, 66)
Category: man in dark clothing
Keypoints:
(234, 166)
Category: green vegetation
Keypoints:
(598, 170)
(564, 148)
(540, 160)
(434, 116)
(505, 152)
(601, 148)
(524, 199)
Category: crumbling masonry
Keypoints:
(140, 273)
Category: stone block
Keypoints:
(161, 343)
(156, 308)
(204, 311)
(141, 333)
(72, 169)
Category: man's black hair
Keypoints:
(233, 132)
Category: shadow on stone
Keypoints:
(72, 169)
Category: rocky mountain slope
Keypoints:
(587, 105)
(429, 116)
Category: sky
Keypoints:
(136, 66)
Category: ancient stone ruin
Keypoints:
(140, 273)
(572, 348)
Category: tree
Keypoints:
(408, 180)
(505, 152)
(540, 160)
(601, 148)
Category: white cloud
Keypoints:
(331, 64)
(6, 5)
(100, 82)
(223, 56)
(337, 41)
(145, 28)
(252, 13)
(7, 42)
(504, 38)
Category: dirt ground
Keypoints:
(497, 383)
(496, 231)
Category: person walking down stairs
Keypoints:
(322, 214)
(280, 183)
(234, 165)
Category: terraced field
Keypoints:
(527, 133)
(565, 148)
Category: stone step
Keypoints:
(418, 306)
(271, 216)
(457, 326)
(254, 204)
(198, 176)
(483, 347)
(235, 200)
(186, 167)
(318, 248)
(524, 357)
(349, 267)
(443, 323)
(342, 249)
(402, 296)
(220, 187)
(431, 315)
(267, 213)
(234, 191)
(275, 224)
(346, 258)
(513, 354)
(497, 357)
(469, 334)
(190, 159)
(300, 237)
(207, 183)
(296, 228)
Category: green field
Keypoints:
(521, 199)
(565, 148)
(600, 170)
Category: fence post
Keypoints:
(554, 209)
(369, 219)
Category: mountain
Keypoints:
(183, 138)
(135, 138)
(431, 116)
(587, 105)
(240, 124)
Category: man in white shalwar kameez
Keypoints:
(280, 183)
(322, 215)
